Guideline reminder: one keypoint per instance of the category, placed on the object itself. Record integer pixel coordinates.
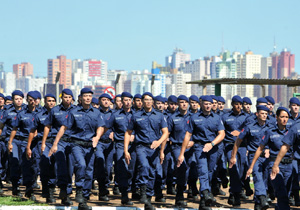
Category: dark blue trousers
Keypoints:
(47, 166)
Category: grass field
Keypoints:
(15, 201)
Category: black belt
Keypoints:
(83, 143)
(144, 144)
(50, 140)
(105, 141)
(283, 161)
(66, 139)
(175, 143)
(200, 142)
(21, 138)
(2, 138)
(261, 155)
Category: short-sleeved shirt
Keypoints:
(293, 121)
(274, 140)
(57, 117)
(8, 116)
(106, 116)
(253, 118)
(39, 122)
(119, 123)
(83, 123)
(205, 128)
(292, 139)
(24, 122)
(177, 125)
(147, 125)
(254, 133)
(231, 123)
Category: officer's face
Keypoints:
(30, 101)
(183, 105)
(194, 105)
(127, 102)
(172, 106)
(104, 102)
(7, 102)
(37, 101)
(246, 107)
(95, 105)
(206, 106)
(283, 118)
(214, 105)
(50, 102)
(18, 100)
(66, 99)
(270, 106)
(221, 105)
(86, 98)
(138, 103)
(2, 101)
(166, 105)
(160, 105)
(294, 108)
(147, 102)
(236, 106)
(119, 103)
(262, 115)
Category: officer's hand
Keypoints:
(267, 153)
(43, 146)
(207, 147)
(190, 144)
(9, 147)
(132, 138)
(232, 162)
(235, 133)
(154, 144)
(180, 160)
(275, 171)
(127, 157)
(95, 142)
(248, 173)
(53, 149)
(162, 157)
(111, 135)
(28, 153)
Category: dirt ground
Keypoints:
(115, 200)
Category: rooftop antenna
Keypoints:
(274, 47)
(222, 42)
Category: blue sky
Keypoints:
(131, 34)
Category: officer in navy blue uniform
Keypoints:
(273, 138)
(207, 131)
(105, 150)
(270, 105)
(118, 102)
(2, 146)
(150, 127)
(86, 126)
(95, 103)
(194, 104)
(62, 150)
(47, 173)
(119, 123)
(6, 119)
(17, 147)
(221, 104)
(294, 111)
(247, 103)
(8, 100)
(38, 100)
(254, 132)
(177, 129)
(214, 107)
(232, 120)
(137, 102)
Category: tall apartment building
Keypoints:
(23, 70)
(177, 59)
(64, 65)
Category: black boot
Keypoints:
(65, 198)
(124, 199)
(16, 190)
(257, 206)
(202, 205)
(50, 198)
(217, 190)
(243, 195)
(116, 190)
(296, 197)
(136, 195)
(79, 195)
(148, 205)
(171, 189)
(84, 206)
(45, 190)
(179, 202)
(231, 199)
(207, 197)
(29, 194)
(159, 196)
(143, 198)
(237, 200)
(103, 192)
(263, 202)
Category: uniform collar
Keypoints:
(232, 113)
(123, 111)
(211, 114)
(178, 113)
(109, 110)
(61, 106)
(80, 108)
(153, 111)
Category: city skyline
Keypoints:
(130, 35)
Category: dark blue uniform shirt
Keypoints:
(292, 121)
(39, 122)
(292, 139)
(253, 118)
(83, 123)
(106, 116)
(24, 122)
(7, 118)
(147, 126)
(205, 128)
(177, 125)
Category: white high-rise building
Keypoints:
(177, 59)
(10, 82)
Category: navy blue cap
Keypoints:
(112, 101)
(86, 90)
(182, 97)
(221, 99)
(237, 98)
(295, 100)
(94, 100)
(207, 98)
(126, 94)
(2, 96)
(262, 107)
(32, 94)
(159, 98)
(18, 93)
(214, 97)
(147, 94)
(79, 95)
(119, 95)
(38, 94)
(67, 92)
(284, 109)
(172, 98)
(261, 100)
(8, 98)
(105, 95)
(270, 99)
(165, 99)
(137, 96)
(50, 95)
(194, 98)
(247, 100)
(200, 97)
